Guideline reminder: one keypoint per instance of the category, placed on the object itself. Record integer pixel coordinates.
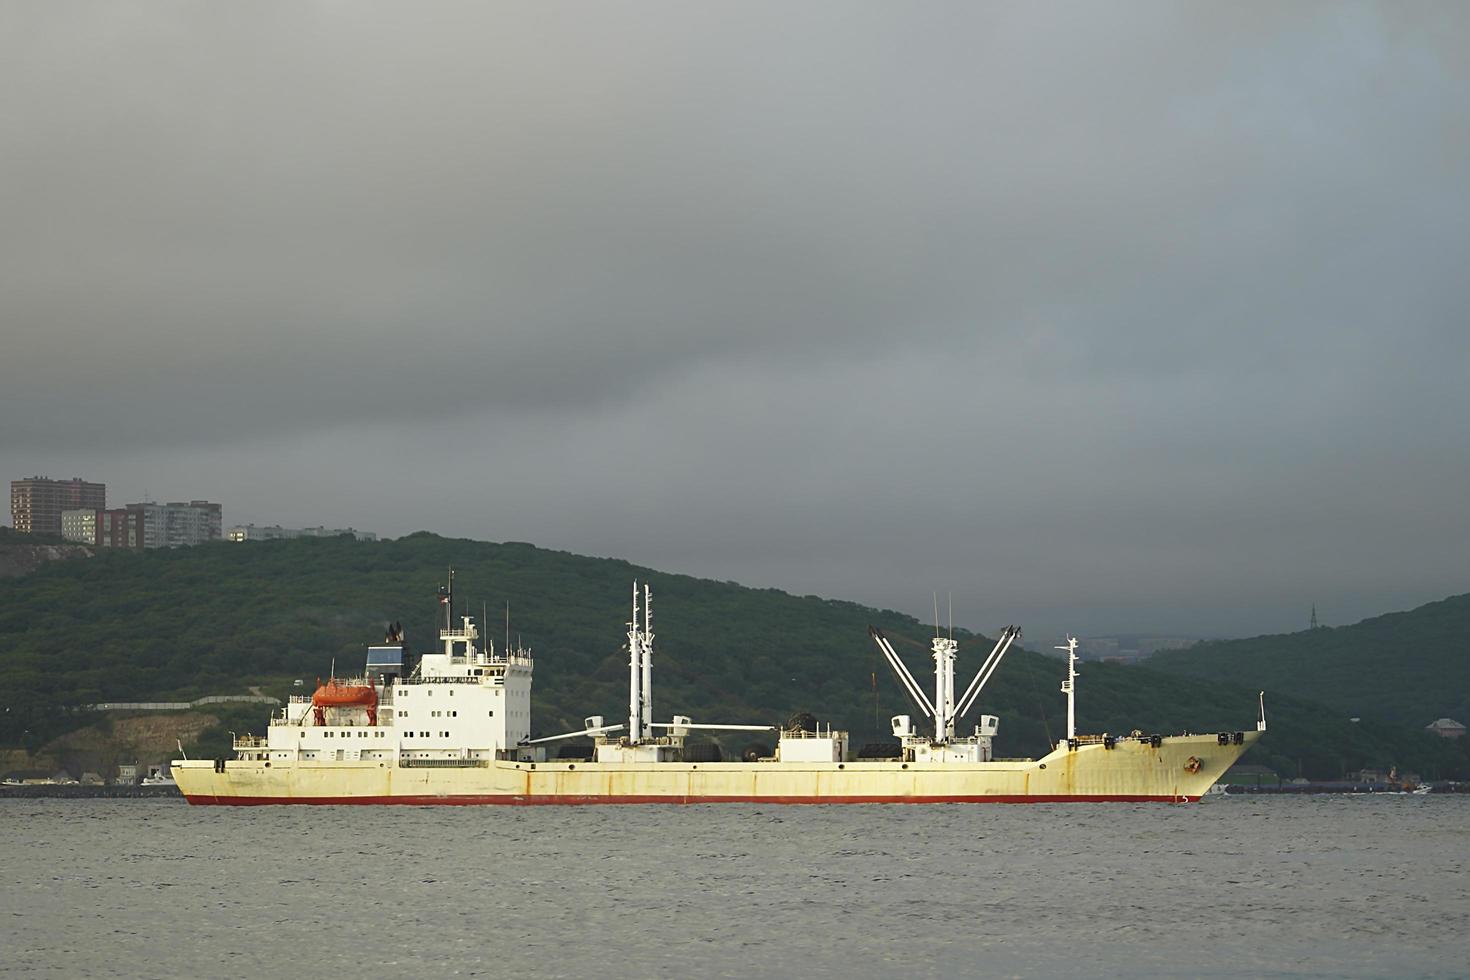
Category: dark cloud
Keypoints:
(1144, 316)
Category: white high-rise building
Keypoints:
(178, 524)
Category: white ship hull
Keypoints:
(1179, 770)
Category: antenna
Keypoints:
(876, 723)
(951, 615)
(936, 613)
(507, 627)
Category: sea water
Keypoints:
(1360, 886)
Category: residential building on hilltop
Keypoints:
(36, 503)
(144, 525)
(274, 532)
(120, 528)
(1128, 649)
(178, 524)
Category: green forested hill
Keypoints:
(1407, 668)
(215, 619)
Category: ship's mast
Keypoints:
(1069, 686)
(944, 654)
(447, 601)
(646, 685)
(640, 669)
(635, 675)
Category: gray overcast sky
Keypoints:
(1102, 316)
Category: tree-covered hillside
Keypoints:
(1406, 668)
(219, 618)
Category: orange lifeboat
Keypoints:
(335, 694)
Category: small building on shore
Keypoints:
(1446, 728)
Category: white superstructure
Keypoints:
(461, 703)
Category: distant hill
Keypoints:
(219, 618)
(1406, 668)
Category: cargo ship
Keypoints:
(454, 728)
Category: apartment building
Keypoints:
(274, 532)
(178, 524)
(121, 528)
(36, 503)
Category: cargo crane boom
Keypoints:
(904, 677)
(982, 677)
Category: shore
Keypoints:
(79, 792)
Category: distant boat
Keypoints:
(157, 777)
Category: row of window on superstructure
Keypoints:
(331, 734)
(379, 733)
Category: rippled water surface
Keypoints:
(1286, 887)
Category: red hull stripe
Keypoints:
(509, 800)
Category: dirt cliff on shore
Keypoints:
(148, 740)
(20, 557)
